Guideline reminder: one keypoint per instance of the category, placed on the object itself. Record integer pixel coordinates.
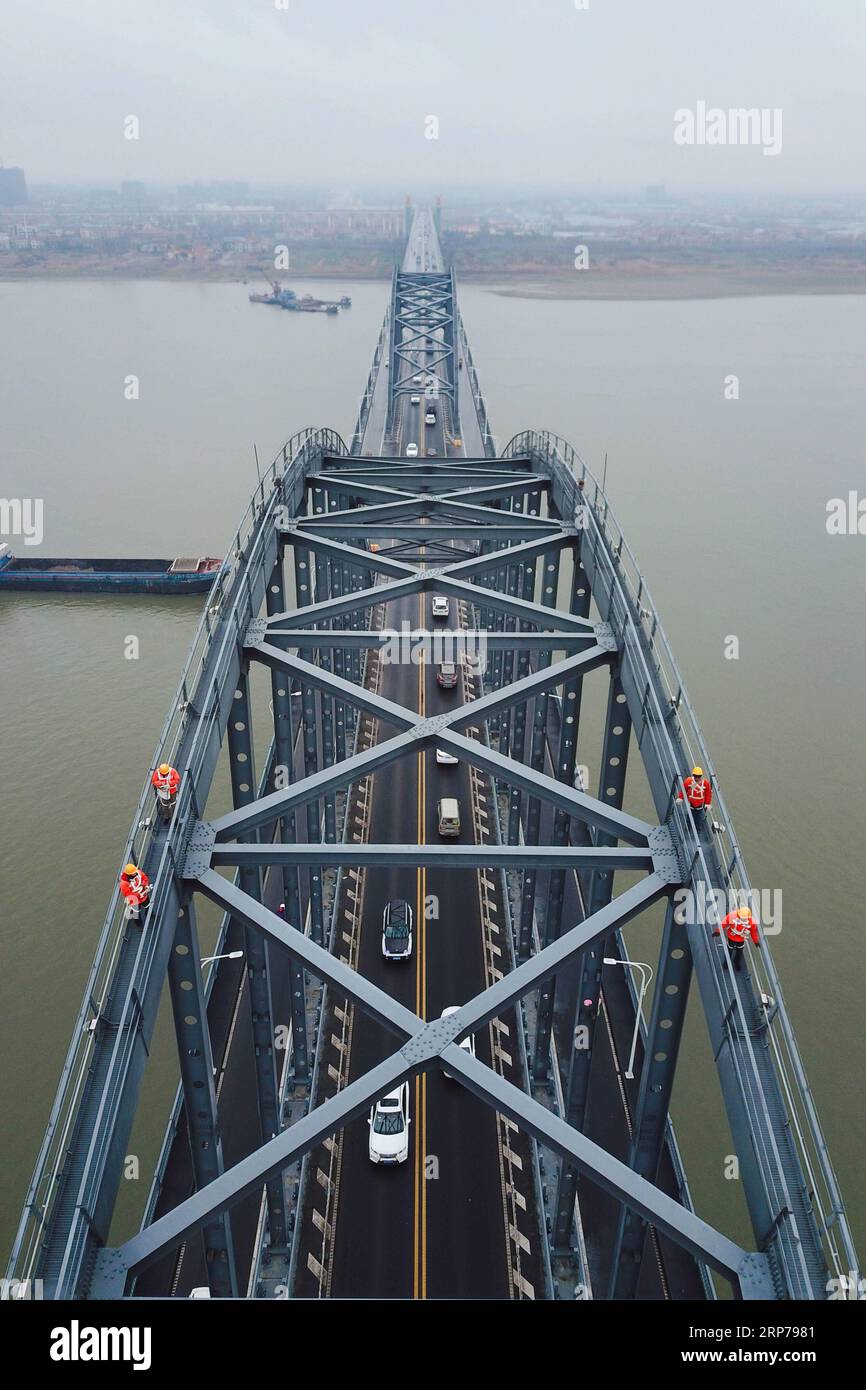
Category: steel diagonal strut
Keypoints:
(429, 1043)
(442, 729)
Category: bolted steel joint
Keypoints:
(432, 1040)
(605, 638)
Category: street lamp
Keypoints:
(646, 974)
(229, 955)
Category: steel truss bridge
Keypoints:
(539, 1165)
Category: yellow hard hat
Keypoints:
(130, 869)
(744, 912)
(697, 772)
(164, 769)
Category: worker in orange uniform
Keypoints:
(165, 781)
(736, 927)
(698, 791)
(135, 887)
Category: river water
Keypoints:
(723, 501)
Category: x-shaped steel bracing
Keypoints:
(422, 1045)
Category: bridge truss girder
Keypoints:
(194, 847)
(232, 839)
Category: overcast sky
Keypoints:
(337, 91)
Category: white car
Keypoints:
(397, 930)
(414, 400)
(411, 451)
(440, 606)
(430, 418)
(389, 1127)
(417, 379)
(468, 1044)
(445, 759)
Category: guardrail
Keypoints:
(471, 376)
(370, 388)
(677, 742)
(182, 719)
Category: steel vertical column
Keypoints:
(326, 702)
(284, 743)
(199, 1094)
(549, 575)
(579, 602)
(661, 1049)
(336, 578)
(240, 747)
(581, 1010)
(314, 812)
(303, 585)
(515, 801)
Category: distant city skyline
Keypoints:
(499, 94)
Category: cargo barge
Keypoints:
(42, 574)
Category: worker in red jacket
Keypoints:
(698, 790)
(165, 781)
(135, 887)
(736, 927)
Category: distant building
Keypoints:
(213, 192)
(13, 188)
(132, 191)
(655, 193)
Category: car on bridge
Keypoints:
(448, 817)
(414, 400)
(445, 759)
(440, 606)
(397, 930)
(411, 451)
(468, 1044)
(389, 1127)
(430, 417)
(447, 676)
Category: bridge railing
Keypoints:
(464, 350)
(46, 1184)
(370, 388)
(677, 740)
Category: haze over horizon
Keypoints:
(523, 95)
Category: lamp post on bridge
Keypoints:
(646, 974)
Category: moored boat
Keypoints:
(44, 574)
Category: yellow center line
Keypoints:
(419, 1261)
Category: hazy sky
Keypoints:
(337, 91)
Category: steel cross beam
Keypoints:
(442, 729)
(459, 640)
(358, 519)
(427, 1044)
(368, 855)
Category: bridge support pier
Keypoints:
(189, 1010)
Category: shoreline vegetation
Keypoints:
(642, 281)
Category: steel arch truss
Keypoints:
(287, 642)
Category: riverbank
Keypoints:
(604, 283)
